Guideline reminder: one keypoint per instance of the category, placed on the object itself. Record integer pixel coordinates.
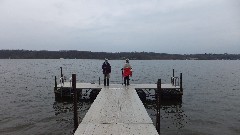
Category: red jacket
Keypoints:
(127, 72)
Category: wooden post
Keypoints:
(172, 78)
(158, 100)
(99, 80)
(181, 88)
(61, 72)
(55, 88)
(62, 75)
(75, 102)
(173, 73)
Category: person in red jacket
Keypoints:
(127, 72)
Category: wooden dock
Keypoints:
(117, 110)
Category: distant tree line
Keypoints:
(74, 54)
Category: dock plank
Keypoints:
(117, 105)
(116, 129)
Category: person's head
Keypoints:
(106, 60)
(127, 60)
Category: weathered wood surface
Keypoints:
(116, 129)
(117, 111)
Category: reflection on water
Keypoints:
(63, 108)
(172, 115)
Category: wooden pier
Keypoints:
(117, 109)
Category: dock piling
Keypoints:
(62, 75)
(181, 88)
(55, 87)
(172, 78)
(99, 81)
(173, 72)
(158, 100)
(75, 102)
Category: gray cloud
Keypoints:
(189, 26)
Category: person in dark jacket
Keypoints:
(106, 71)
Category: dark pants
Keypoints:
(126, 79)
(106, 79)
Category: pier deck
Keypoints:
(169, 91)
(117, 110)
(134, 86)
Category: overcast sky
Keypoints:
(165, 26)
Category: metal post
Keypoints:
(181, 89)
(172, 79)
(173, 73)
(62, 75)
(55, 88)
(61, 72)
(99, 80)
(158, 99)
(75, 102)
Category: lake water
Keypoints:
(210, 104)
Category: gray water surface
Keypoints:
(210, 105)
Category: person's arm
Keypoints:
(110, 68)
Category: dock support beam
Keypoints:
(75, 102)
(158, 100)
(181, 88)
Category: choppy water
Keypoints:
(211, 100)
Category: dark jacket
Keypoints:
(106, 68)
